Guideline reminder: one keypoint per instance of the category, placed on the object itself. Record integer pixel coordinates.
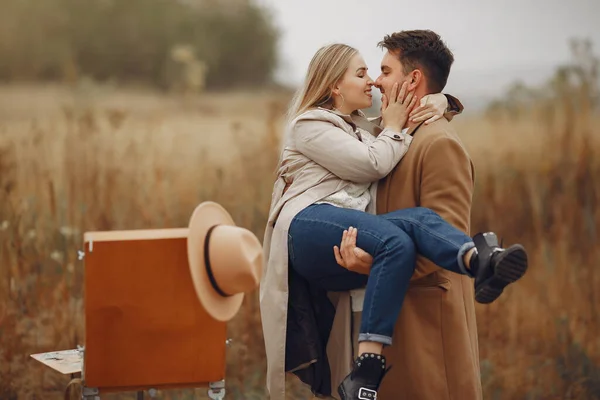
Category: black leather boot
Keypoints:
(364, 380)
(494, 267)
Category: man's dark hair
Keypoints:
(425, 50)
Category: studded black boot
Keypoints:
(364, 380)
(494, 267)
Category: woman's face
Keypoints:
(353, 91)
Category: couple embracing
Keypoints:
(382, 204)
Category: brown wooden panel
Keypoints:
(144, 324)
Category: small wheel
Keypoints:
(216, 394)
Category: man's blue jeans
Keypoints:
(393, 239)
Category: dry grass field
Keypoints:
(97, 159)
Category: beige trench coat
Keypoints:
(321, 155)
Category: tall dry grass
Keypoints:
(69, 164)
(93, 161)
(537, 183)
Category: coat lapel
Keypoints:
(411, 131)
(370, 126)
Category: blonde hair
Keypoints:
(326, 68)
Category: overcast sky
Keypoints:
(494, 43)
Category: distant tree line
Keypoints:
(231, 43)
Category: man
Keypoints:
(435, 351)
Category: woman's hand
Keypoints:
(396, 108)
(351, 257)
(431, 108)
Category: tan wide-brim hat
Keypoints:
(225, 260)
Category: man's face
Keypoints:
(392, 71)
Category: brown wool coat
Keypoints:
(435, 350)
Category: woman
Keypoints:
(326, 183)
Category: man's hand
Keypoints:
(351, 257)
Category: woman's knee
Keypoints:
(396, 259)
(401, 243)
(425, 211)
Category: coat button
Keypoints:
(396, 137)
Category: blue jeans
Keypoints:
(393, 239)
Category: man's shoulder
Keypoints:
(440, 131)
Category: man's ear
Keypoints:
(415, 78)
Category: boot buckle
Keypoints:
(367, 394)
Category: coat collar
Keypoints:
(349, 118)
(414, 129)
(358, 118)
(373, 125)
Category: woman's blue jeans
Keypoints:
(393, 239)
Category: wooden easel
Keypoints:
(145, 329)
